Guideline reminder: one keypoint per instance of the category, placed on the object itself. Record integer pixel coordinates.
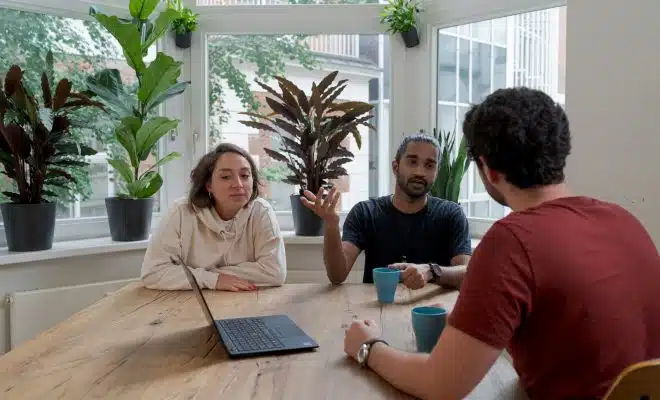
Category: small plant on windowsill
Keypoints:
(452, 166)
(400, 16)
(184, 25)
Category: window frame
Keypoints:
(448, 14)
(413, 74)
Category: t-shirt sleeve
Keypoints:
(459, 229)
(354, 230)
(496, 294)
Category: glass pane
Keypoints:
(529, 48)
(499, 31)
(481, 31)
(478, 183)
(234, 61)
(499, 68)
(479, 209)
(497, 210)
(80, 48)
(480, 71)
(278, 2)
(447, 68)
(464, 71)
(446, 118)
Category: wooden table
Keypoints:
(145, 344)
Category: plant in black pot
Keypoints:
(36, 149)
(140, 127)
(400, 16)
(184, 25)
(312, 130)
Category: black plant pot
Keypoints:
(411, 38)
(129, 219)
(182, 41)
(305, 221)
(29, 227)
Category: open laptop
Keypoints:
(254, 336)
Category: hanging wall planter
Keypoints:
(400, 16)
(183, 40)
(411, 38)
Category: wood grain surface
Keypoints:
(146, 344)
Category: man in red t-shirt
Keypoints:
(567, 284)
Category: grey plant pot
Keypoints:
(129, 219)
(29, 227)
(411, 38)
(305, 221)
(183, 41)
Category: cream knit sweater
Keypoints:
(249, 246)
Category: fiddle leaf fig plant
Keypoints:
(139, 128)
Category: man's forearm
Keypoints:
(405, 371)
(333, 254)
(452, 276)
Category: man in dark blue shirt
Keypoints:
(426, 237)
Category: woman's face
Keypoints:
(230, 184)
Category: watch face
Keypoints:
(362, 353)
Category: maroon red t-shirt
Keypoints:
(572, 289)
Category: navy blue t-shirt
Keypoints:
(435, 234)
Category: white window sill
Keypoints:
(104, 245)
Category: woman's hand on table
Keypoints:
(231, 283)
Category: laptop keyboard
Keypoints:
(251, 334)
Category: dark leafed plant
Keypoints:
(35, 145)
(451, 166)
(312, 129)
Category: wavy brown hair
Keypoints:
(198, 197)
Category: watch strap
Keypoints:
(370, 343)
(436, 269)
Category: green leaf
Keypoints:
(123, 168)
(171, 156)
(160, 27)
(107, 85)
(151, 132)
(125, 134)
(159, 76)
(142, 9)
(146, 186)
(175, 90)
(128, 36)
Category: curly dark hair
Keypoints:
(521, 133)
(198, 197)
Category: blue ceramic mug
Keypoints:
(428, 323)
(386, 281)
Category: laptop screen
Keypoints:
(200, 297)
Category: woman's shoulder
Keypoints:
(181, 207)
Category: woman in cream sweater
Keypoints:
(223, 232)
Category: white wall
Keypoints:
(304, 262)
(613, 102)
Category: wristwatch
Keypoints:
(363, 352)
(436, 269)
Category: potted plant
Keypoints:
(36, 149)
(311, 130)
(140, 128)
(184, 25)
(400, 17)
(452, 166)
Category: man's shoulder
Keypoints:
(444, 208)
(373, 204)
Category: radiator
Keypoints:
(34, 311)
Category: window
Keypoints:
(233, 63)
(80, 48)
(476, 59)
(279, 2)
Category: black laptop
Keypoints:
(255, 336)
